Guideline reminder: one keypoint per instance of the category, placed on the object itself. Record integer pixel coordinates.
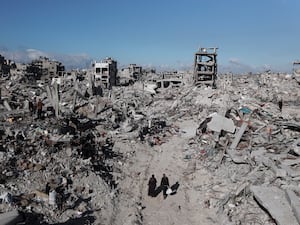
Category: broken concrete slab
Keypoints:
(219, 123)
(290, 162)
(294, 202)
(191, 167)
(290, 171)
(281, 173)
(237, 157)
(11, 218)
(274, 201)
(257, 155)
(7, 106)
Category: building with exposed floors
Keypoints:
(205, 66)
(105, 72)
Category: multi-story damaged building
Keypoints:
(105, 71)
(5, 66)
(205, 66)
(19, 69)
(44, 68)
(130, 74)
(296, 70)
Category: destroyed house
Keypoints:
(44, 68)
(105, 72)
(296, 71)
(19, 69)
(170, 80)
(130, 74)
(135, 71)
(169, 83)
(296, 68)
(205, 66)
(5, 66)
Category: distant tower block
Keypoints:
(205, 66)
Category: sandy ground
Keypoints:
(187, 206)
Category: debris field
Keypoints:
(87, 160)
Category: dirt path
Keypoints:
(185, 207)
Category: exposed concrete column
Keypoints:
(53, 97)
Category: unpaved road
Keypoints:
(187, 206)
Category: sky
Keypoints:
(251, 36)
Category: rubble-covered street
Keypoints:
(88, 158)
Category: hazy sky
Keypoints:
(251, 35)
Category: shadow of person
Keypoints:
(174, 188)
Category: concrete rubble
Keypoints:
(87, 160)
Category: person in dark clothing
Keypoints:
(34, 106)
(39, 108)
(280, 105)
(165, 185)
(152, 186)
(174, 188)
(30, 107)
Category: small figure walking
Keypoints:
(39, 108)
(34, 106)
(280, 102)
(30, 106)
(152, 186)
(165, 185)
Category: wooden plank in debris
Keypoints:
(238, 136)
(237, 156)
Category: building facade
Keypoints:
(44, 68)
(205, 66)
(105, 72)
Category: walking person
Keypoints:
(152, 186)
(30, 106)
(165, 185)
(39, 108)
(34, 106)
(280, 103)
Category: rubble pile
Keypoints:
(57, 169)
(253, 158)
(85, 160)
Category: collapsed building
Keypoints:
(19, 69)
(44, 69)
(234, 152)
(130, 74)
(5, 66)
(296, 70)
(170, 80)
(205, 66)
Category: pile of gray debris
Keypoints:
(250, 143)
(65, 167)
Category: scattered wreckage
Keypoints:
(70, 165)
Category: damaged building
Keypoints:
(130, 74)
(170, 80)
(233, 152)
(205, 66)
(5, 66)
(45, 69)
(296, 71)
(105, 72)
